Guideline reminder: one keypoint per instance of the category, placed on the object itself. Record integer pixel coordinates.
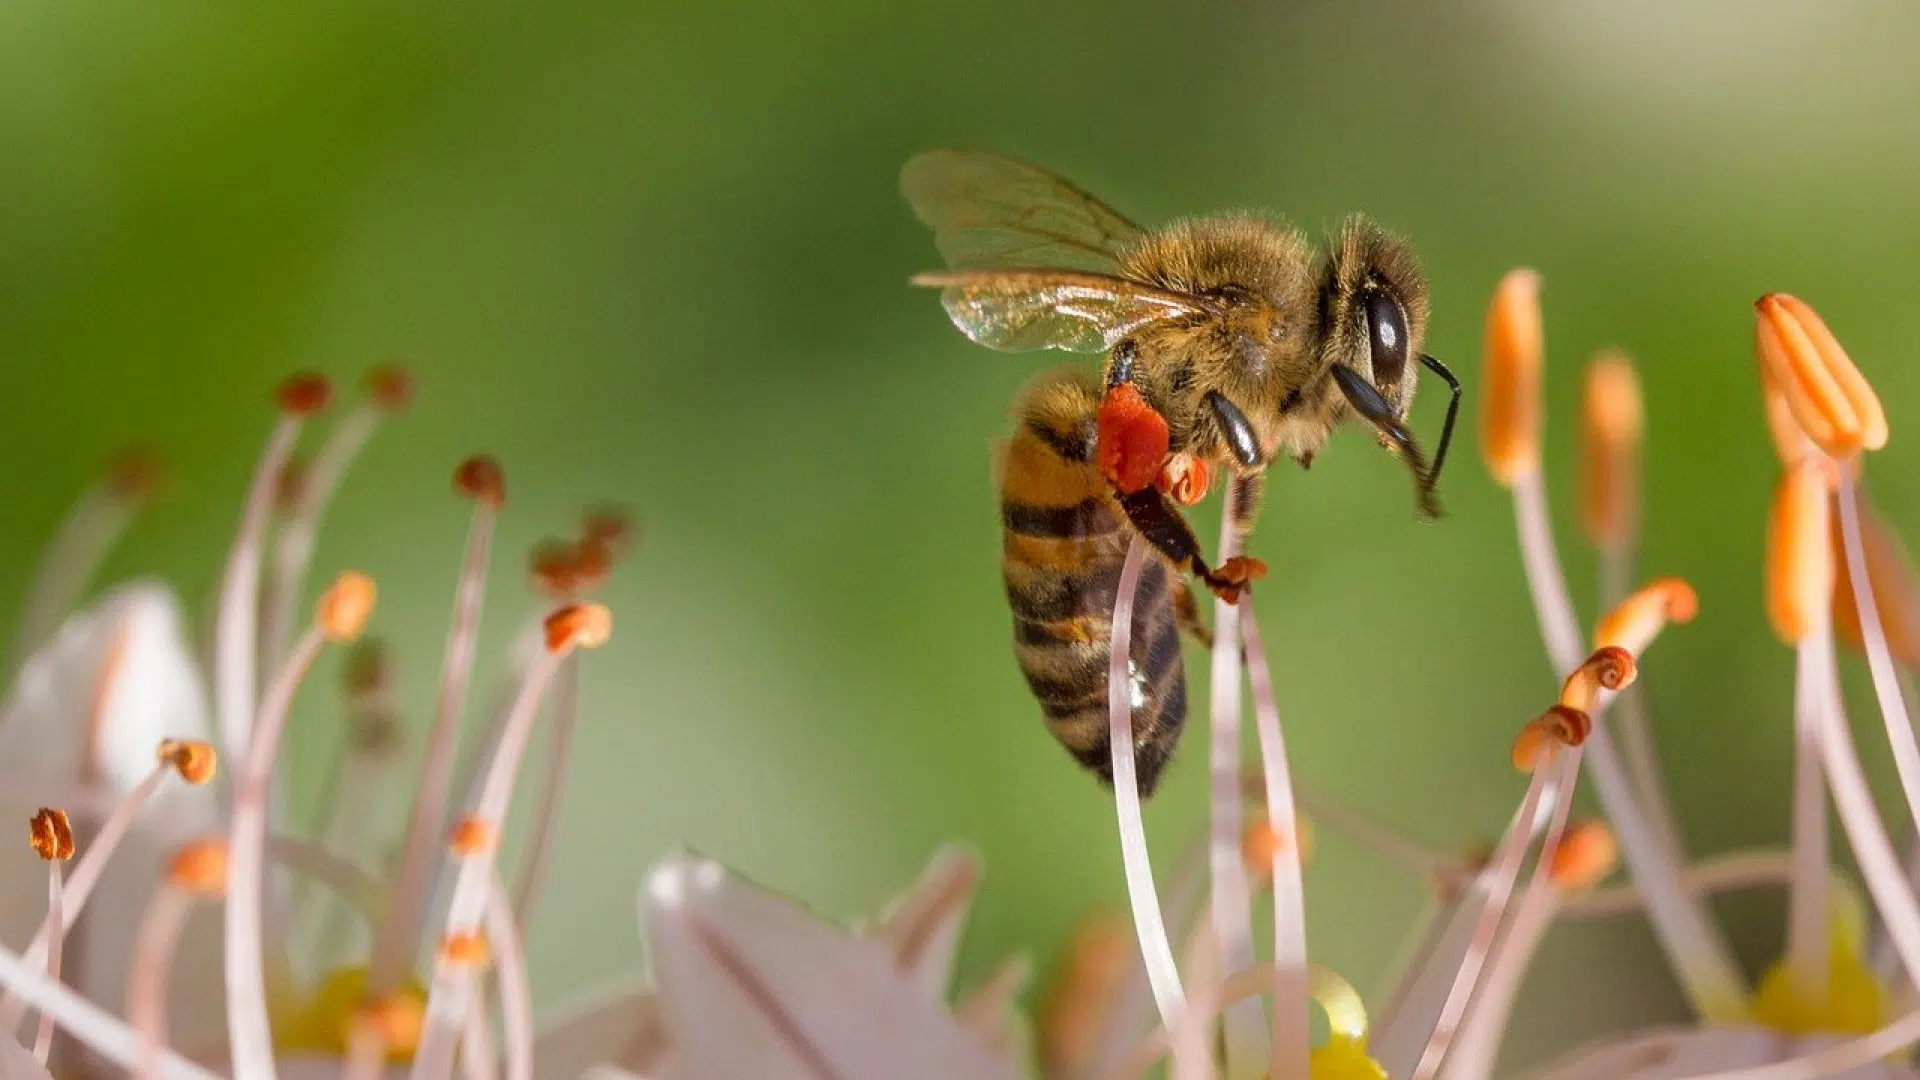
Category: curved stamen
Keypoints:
(1291, 1045)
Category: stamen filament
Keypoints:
(153, 950)
(1853, 800)
(43, 1039)
(76, 550)
(1346, 1016)
(565, 711)
(1734, 872)
(1837, 1059)
(1635, 721)
(448, 1001)
(1163, 973)
(516, 995)
(397, 944)
(1291, 1034)
(1231, 898)
(1808, 953)
(293, 553)
(1886, 681)
(1476, 1047)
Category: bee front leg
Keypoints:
(1163, 527)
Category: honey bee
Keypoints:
(1228, 341)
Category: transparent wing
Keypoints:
(990, 210)
(1024, 310)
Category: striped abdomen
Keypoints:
(1065, 542)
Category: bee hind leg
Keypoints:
(1186, 614)
(1163, 527)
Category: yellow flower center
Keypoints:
(1854, 1002)
(324, 1024)
(1341, 1058)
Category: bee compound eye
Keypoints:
(1387, 338)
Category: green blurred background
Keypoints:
(655, 254)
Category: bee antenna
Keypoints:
(1374, 409)
(1453, 413)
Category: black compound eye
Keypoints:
(1387, 334)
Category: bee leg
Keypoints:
(1163, 527)
(1186, 613)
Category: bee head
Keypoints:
(1373, 322)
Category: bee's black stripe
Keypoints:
(1086, 518)
(1045, 595)
(1075, 446)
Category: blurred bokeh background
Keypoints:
(655, 254)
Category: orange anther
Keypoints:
(1790, 440)
(1547, 734)
(1185, 479)
(470, 836)
(1260, 842)
(194, 760)
(1827, 395)
(481, 478)
(592, 564)
(50, 835)
(398, 1019)
(1081, 997)
(1890, 573)
(304, 394)
(200, 867)
(1131, 439)
(465, 950)
(1640, 617)
(1800, 558)
(346, 606)
(1612, 421)
(583, 626)
(390, 387)
(555, 568)
(1609, 668)
(1510, 407)
(609, 525)
(1587, 855)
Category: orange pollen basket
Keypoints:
(1131, 440)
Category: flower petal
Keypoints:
(1673, 1053)
(751, 985)
(609, 1026)
(922, 926)
(111, 684)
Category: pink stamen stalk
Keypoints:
(235, 628)
(348, 830)
(1735, 872)
(553, 786)
(1163, 973)
(1476, 1049)
(1558, 775)
(1291, 1034)
(352, 882)
(516, 994)
(92, 1025)
(1636, 725)
(1808, 953)
(1133, 1001)
(86, 874)
(1150, 1048)
(1231, 898)
(397, 945)
(153, 951)
(249, 1030)
(43, 1039)
(293, 554)
(76, 550)
(1694, 943)
(478, 1060)
(1886, 680)
(1417, 964)
(447, 1001)
(1853, 800)
(1190, 1043)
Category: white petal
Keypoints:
(923, 925)
(751, 985)
(16, 1063)
(612, 1026)
(1674, 1053)
(119, 676)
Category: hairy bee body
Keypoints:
(1065, 540)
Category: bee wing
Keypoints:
(987, 209)
(1024, 310)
